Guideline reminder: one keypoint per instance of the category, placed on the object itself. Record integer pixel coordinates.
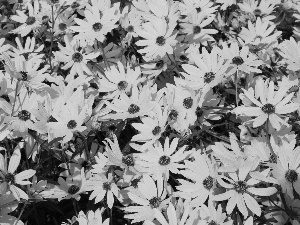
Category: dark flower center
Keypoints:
(130, 28)
(156, 130)
(188, 103)
(99, 58)
(97, 27)
(30, 20)
(173, 114)
(209, 77)
(5, 97)
(154, 202)
(198, 9)
(77, 57)
(133, 109)
(62, 26)
(106, 186)
(24, 115)
(208, 182)
(75, 5)
(257, 12)
(237, 60)
(71, 124)
(273, 158)
(164, 160)
(24, 75)
(268, 108)
(160, 40)
(73, 189)
(159, 65)
(212, 223)
(9, 178)
(134, 182)
(196, 29)
(291, 176)
(240, 186)
(122, 85)
(128, 160)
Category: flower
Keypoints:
(290, 51)
(153, 197)
(29, 22)
(241, 188)
(10, 180)
(272, 105)
(158, 38)
(205, 8)
(92, 218)
(200, 184)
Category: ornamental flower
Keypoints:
(9, 181)
(92, 218)
(28, 22)
(201, 180)
(152, 199)
(159, 161)
(205, 8)
(271, 106)
(286, 170)
(290, 51)
(241, 189)
(96, 24)
(158, 38)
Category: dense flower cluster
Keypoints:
(149, 112)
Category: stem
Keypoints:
(23, 208)
(13, 108)
(74, 205)
(236, 88)
(104, 57)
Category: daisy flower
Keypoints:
(286, 170)
(160, 160)
(158, 38)
(100, 185)
(206, 8)
(3, 48)
(199, 186)
(96, 24)
(9, 181)
(138, 104)
(272, 105)
(209, 71)
(151, 127)
(92, 218)
(241, 190)
(153, 197)
(68, 121)
(63, 23)
(194, 28)
(72, 187)
(226, 3)
(241, 59)
(75, 58)
(259, 33)
(117, 80)
(290, 51)
(28, 22)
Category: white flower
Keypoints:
(290, 50)
(92, 218)
(8, 177)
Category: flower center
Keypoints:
(268, 108)
(24, 115)
(159, 65)
(133, 109)
(154, 202)
(75, 5)
(73, 189)
(257, 12)
(24, 75)
(9, 178)
(160, 40)
(291, 176)
(188, 103)
(71, 124)
(198, 9)
(122, 85)
(237, 60)
(97, 27)
(156, 130)
(99, 58)
(130, 28)
(106, 186)
(173, 114)
(30, 20)
(273, 159)
(212, 223)
(240, 186)
(62, 26)
(208, 182)
(196, 29)
(209, 77)
(128, 160)
(164, 160)
(134, 182)
(77, 57)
